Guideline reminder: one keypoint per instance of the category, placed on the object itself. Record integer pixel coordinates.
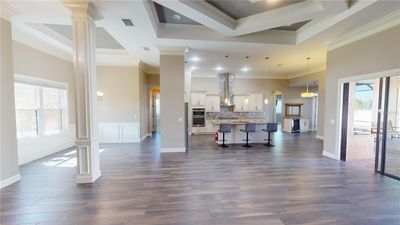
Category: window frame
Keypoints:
(64, 106)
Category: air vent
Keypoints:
(128, 22)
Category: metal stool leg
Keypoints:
(247, 141)
(223, 141)
(269, 140)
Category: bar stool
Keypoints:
(224, 128)
(271, 127)
(249, 128)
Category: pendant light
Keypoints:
(308, 94)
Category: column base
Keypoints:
(87, 178)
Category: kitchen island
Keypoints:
(236, 136)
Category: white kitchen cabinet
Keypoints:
(255, 102)
(212, 103)
(198, 99)
(241, 103)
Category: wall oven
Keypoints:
(199, 117)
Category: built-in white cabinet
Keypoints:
(198, 99)
(255, 102)
(241, 103)
(212, 103)
(288, 124)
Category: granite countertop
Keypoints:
(238, 121)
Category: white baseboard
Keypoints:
(320, 137)
(145, 136)
(168, 150)
(329, 155)
(88, 178)
(4, 183)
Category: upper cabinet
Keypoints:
(198, 99)
(212, 103)
(252, 102)
(256, 102)
(241, 103)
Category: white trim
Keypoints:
(241, 76)
(169, 150)
(307, 73)
(145, 136)
(329, 155)
(87, 178)
(8, 181)
(7, 11)
(320, 137)
(119, 132)
(369, 29)
(26, 79)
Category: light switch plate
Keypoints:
(180, 119)
(332, 121)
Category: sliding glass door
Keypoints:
(392, 141)
(387, 130)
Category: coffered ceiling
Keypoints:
(285, 31)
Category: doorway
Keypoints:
(278, 97)
(155, 109)
(370, 128)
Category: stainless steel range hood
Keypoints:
(226, 81)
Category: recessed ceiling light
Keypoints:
(247, 57)
(245, 69)
(186, 50)
(194, 68)
(195, 59)
(219, 68)
(226, 56)
(176, 17)
(266, 58)
(146, 49)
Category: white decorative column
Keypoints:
(84, 61)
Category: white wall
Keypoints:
(38, 65)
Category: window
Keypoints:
(26, 110)
(39, 110)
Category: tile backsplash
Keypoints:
(235, 115)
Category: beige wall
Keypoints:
(144, 103)
(321, 78)
(8, 139)
(120, 86)
(172, 84)
(376, 53)
(37, 64)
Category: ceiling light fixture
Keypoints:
(176, 17)
(186, 50)
(195, 59)
(308, 94)
(245, 69)
(218, 68)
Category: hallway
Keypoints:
(289, 184)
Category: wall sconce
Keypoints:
(266, 101)
(100, 96)
(246, 101)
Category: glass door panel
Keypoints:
(392, 154)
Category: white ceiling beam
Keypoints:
(179, 33)
(287, 15)
(203, 13)
(335, 6)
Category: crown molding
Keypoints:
(369, 29)
(307, 73)
(242, 76)
(115, 57)
(7, 11)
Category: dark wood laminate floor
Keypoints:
(289, 184)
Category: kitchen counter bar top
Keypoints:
(238, 121)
